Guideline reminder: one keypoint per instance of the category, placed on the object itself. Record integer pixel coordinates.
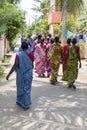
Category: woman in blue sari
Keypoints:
(23, 67)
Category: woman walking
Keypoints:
(23, 67)
(54, 55)
(48, 46)
(71, 72)
(40, 58)
(65, 53)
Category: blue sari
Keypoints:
(24, 80)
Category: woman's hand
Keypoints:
(80, 65)
(12, 69)
(7, 77)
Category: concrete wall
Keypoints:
(52, 2)
(51, 30)
(1, 48)
(6, 43)
(83, 49)
(86, 50)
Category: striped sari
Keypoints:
(40, 59)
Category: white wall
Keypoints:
(52, 2)
(86, 49)
(1, 48)
(51, 30)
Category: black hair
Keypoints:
(52, 40)
(42, 40)
(49, 35)
(74, 41)
(39, 36)
(48, 38)
(29, 35)
(68, 41)
(56, 39)
(24, 45)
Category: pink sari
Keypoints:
(40, 59)
(48, 69)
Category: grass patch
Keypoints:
(6, 59)
(2, 74)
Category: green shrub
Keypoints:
(2, 74)
(6, 59)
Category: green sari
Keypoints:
(71, 73)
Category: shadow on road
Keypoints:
(52, 107)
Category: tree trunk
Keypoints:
(63, 26)
(64, 14)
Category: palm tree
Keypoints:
(69, 7)
(13, 1)
(82, 28)
(10, 1)
(42, 7)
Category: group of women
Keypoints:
(51, 53)
(47, 54)
(70, 59)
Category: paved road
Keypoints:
(53, 107)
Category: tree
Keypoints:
(41, 26)
(42, 7)
(41, 23)
(82, 21)
(71, 23)
(69, 7)
(14, 26)
(2, 2)
(13, 1)
(7, 11)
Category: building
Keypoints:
(54, 16)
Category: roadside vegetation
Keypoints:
(2, 74)
(6, 59)
(12, 19)
(13, 23)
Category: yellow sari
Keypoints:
(54, 55)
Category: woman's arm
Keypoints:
(12, 69)
(79, 61)
(79, 58)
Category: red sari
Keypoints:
(65, 53)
